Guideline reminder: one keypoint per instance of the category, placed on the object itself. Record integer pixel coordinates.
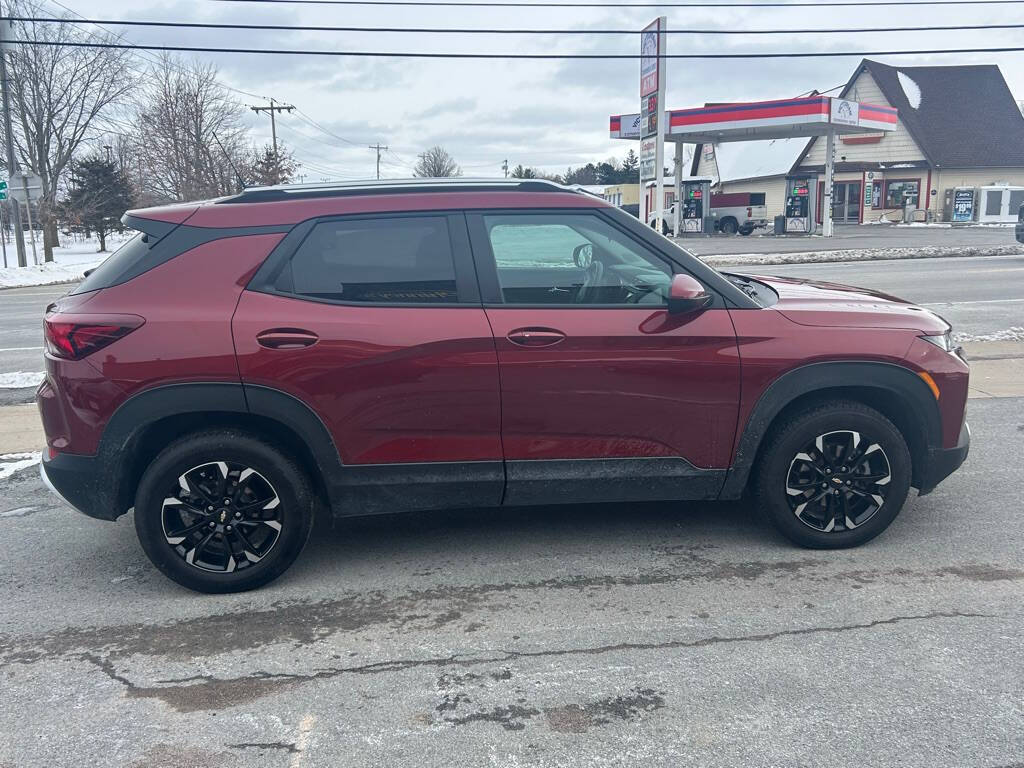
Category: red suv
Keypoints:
(368, 348)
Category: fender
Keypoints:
(902, 384)
(152, 405)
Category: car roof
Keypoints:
(290, 203)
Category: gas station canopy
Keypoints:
(759, 120)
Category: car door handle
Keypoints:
(286, 338)
(535, 337)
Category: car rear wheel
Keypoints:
(729, 226)
(834, 476)
(222, 511)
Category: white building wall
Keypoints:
(895, 146)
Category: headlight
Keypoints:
(943, 342)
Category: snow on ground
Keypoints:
(858, 254)
(20, 379)
(1014, 333)
(15, 462)
(69, 261)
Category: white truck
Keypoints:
(731, 212)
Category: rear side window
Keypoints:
(376, 261)
(115, 264)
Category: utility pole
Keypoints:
(504, 167)
(272, 109)
(379, 149)
(6, 34)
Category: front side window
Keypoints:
(897, 193)
(573, 259)
(392, 260)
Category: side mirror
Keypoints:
(583, 255)
(685, 295)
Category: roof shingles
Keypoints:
(967, 117)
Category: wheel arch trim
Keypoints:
(895, 380)
(147, 408)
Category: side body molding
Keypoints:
(908, 393)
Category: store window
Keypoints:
(897, 191)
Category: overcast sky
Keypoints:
(547, 114)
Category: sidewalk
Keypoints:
(997, 370)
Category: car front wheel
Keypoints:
(835, 475)
(222, 511)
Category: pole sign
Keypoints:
(3, 190)
(963, 204)
(652, 108)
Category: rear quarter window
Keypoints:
(116, 264)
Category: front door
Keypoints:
(846, 201)
(604, 394)
(375, 324)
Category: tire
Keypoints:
(801, 490)
(745, 231)
(728, 226)
(247, 544)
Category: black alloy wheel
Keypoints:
(838, 481)
(222, 517)
(223, 511)
(833, 475)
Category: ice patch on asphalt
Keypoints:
(20, 379)
(19, 512)
(1014, 333)
(16, 462)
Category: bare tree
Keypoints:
(436, 163)
(192, 141)
(58, 93)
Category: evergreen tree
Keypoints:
(630, 166)
(100, 193)
(269, 167)
(521, 172)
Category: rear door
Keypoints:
(375, 323)
(604, 394)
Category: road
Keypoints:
(855, 236)
(648, 635)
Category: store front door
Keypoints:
(846, 201)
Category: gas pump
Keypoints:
(696, 206)
(801, 195)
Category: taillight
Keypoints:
(749, 212)
(72, 337)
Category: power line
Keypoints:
(547, 56)
(142, 52)
(516, 31)
(614, 6)
(319, 127)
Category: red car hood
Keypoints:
(809, 302)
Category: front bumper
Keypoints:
(79, 483)
(942, 462)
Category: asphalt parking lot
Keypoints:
(657, 634)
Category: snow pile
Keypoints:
(46, 274)
(857, 254)
(910, 89)
(69, 262)
(20, 379)
(1014, 333)
(15, 462)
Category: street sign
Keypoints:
(26, 181)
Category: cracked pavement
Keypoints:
(648, 634)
